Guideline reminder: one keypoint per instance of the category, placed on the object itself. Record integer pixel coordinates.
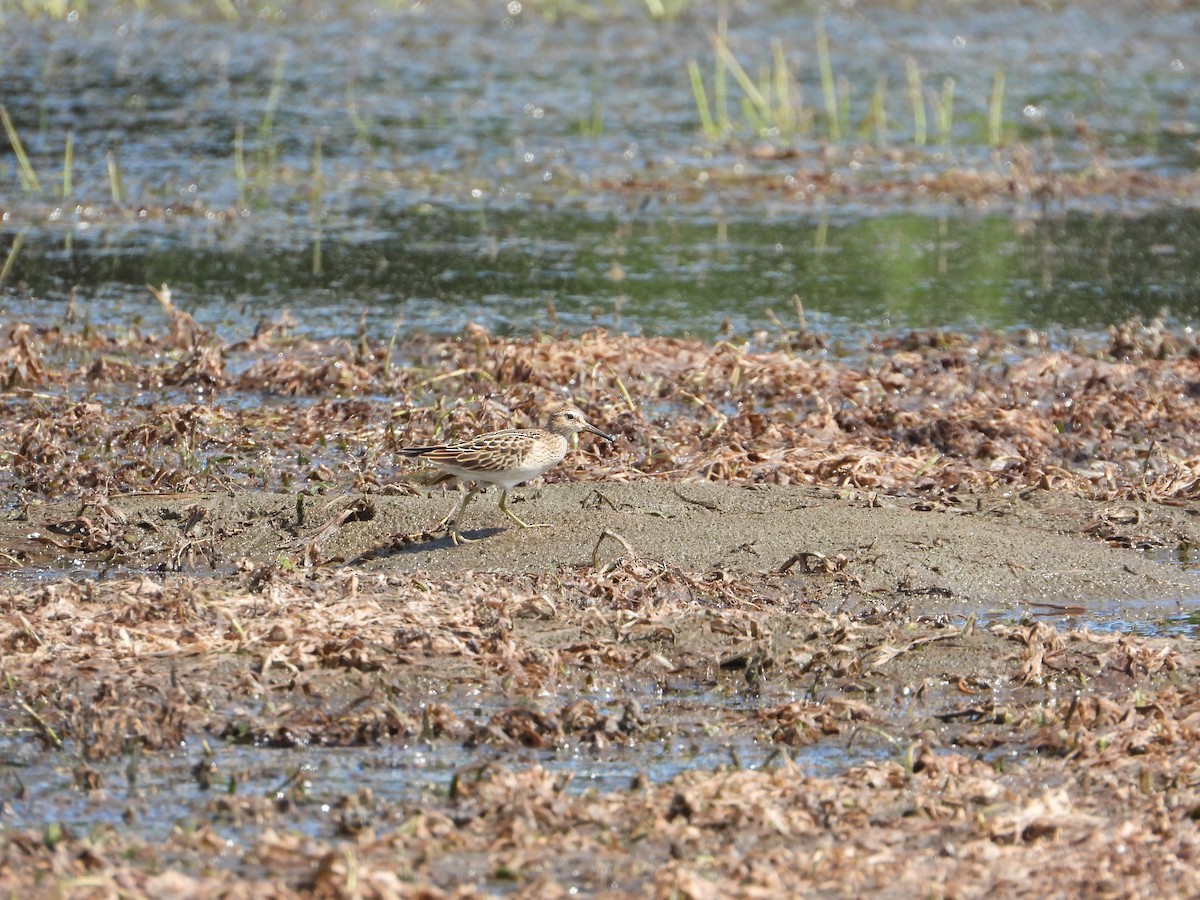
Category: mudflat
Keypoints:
(995, 551)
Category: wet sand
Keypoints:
(978, 552)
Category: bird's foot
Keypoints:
(512, 515)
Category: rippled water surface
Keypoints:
(513, 271)
(154, 793)
(541, 165)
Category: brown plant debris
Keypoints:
(913, 415)
(768, 607)
(1087, 786)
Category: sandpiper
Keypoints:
(507, 458)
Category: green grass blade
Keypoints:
(828, 84)
(68, 165)
(843, 84)
(114, 178)
(785, 112)
(29, 179)
(362, 131)
(720, 81)
(11, 259)
(239, 164)
(996, 109)
(706, 119)
(266, 149)
(745, 82)
(943, 109)
(876, 121)
(916, 95)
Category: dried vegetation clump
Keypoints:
(1051, 762)
(927, 413)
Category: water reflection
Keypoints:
(511, 270)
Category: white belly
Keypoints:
(507, 479)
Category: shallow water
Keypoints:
(154, 793)
(513, 272)
(1169, 617)
(431, 166)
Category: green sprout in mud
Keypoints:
(71, 10)
(51, 9)
(666, 10)
(943, 110)
(268, 148)
(10, 259)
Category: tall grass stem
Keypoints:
(68, 165)
(29, 179)
(11, 259)
(944, 111)
(996, 109)
(720, 83)
(828, 85)
(706, 120)
(916, 95)
(114, 178)
(753, 95)
(239, 164)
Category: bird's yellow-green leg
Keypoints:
(455, 535)
(512, 515)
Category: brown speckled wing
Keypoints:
(495, 452)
